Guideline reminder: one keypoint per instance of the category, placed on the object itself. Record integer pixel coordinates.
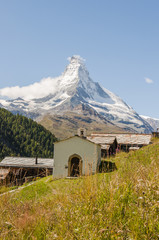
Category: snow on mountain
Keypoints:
(74, 87)
(154, 122)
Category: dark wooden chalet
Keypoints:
(156, 134)
(17, 170)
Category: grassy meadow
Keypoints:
(123, 204)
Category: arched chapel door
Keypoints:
(74, 166)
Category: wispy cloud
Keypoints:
(149, 81)
(37, 90)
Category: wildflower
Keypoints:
(140, 198)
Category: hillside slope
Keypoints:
(66, 125)
(23, 137)
(119, 205)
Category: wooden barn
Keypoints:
(125, 141)
(17, 170)
(108, 144)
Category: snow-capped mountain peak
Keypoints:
(76, 62)
(73, 88)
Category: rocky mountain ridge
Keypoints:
(154, 122)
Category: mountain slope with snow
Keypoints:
(154, 122)
(68, 91)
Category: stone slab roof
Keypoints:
(27, 162)
(102, 139)
(125, 138)
(105, 147)
(134, 148)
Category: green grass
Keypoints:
(4, 189)
(123, 204)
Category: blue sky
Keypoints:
(119, 40)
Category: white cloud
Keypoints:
(37, 90)
(69, 59)
(149, 81)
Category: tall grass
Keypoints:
(123, 204)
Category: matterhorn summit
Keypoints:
(73, 92)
